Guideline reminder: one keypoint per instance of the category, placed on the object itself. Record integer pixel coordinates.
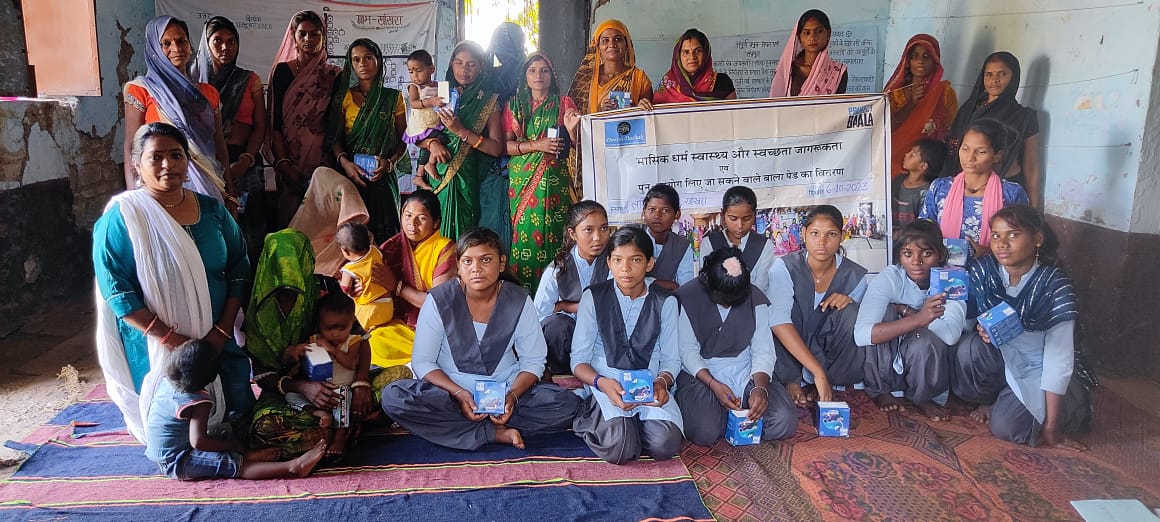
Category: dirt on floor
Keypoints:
(48, 363)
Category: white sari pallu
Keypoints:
(174, 286)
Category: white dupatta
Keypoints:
(174, 286)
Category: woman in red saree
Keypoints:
(922, 104)
(691, 76)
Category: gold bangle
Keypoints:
(279, 385)
(247, 155)
(477, 142)
(223, 332)
(360, 384)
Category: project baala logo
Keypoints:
(860, 117)
(624, 132)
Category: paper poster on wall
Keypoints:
(397, 28)
(750, 59)
(794, 153)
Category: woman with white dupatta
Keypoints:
(170, 265)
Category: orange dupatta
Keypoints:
(931, 116)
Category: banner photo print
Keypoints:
(795, 153)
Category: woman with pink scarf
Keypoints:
(963, 205)
(805, 67)
(300, 85)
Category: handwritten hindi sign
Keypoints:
(397, 29)
(793, 152)
(750, 59)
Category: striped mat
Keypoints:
(80, 470)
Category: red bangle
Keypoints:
(165, 337)
(151, 323)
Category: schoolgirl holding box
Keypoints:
(727, 355)
(627, 323)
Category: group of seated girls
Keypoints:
(749, 332)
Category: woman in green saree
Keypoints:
(367, 118)
(475, 132)
(538, 170)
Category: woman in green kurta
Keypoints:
(538, 170)
(365, 117)
(475, 133)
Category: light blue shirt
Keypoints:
(759, 273)
(432, 352)
(893, 286)
(735, 372)
(588, 348)
(548, 292)
(781, 296)
(685, 268)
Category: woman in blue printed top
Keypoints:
(627, 323)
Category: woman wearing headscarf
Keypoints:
(922, 104)
(243, 116)
(994, 97)
(539, 174)
(475, 140)
(331, 201)
(610, 67)
(166, 94)
(367, 118)
(691, 76)
(805, 67)
(300, 85)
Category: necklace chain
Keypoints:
(179, 202)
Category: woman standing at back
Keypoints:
(805, 68)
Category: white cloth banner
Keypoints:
(794, 153)
(397, 28)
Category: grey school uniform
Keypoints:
(613, 333)
(917, 363)
(447, 339)
(829, 334)
(674, 258)
(733, 344)
(558, 285)
(756, 253)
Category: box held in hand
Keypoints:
(951, 281)
(623, 99)
(833, 419)
(740, 431)
(341, 412)
(317, 363)
(1001, 323)
(368, 163)
(490, 397)
(638, 386)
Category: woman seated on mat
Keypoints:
(421, 259)
(905, 331)
(170, 265)
(280, 319)
(579, 263)
(1042, 393)
(814, 295)
(627, 323)
(964, 204)
(727, 354)
(470, 330)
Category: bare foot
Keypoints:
(888, 402)
(982, 414)
(506, 435)
(957, 406)
(933, 411)
(304, 464)
(338, 444)
(262, 455)
(325, 419)
(796, 394)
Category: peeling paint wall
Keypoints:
(1087, 69)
